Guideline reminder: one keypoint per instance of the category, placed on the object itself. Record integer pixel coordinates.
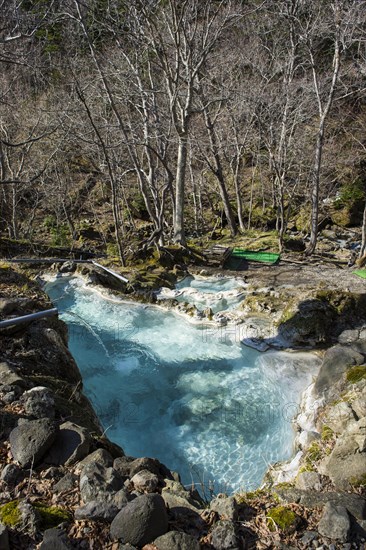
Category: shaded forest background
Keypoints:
(136, 124)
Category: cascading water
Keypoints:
(191, 396)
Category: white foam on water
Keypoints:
(217, 293)
(196, 399)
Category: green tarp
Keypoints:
(254, 256)
(360, 273)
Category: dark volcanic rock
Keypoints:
(335, 363)
(4, 538)
(177, 541)
(225, 506)
(12, 475)
(224, 537)
(72, 444)
(30, 441)
(355, 504)
(39, 403)
(311, 324)
(122, 497)
(141, 521)
(65, 484)
(129, 468)
(9, 376)
(100, 456)
(97, 510)
(99, 483)
(55, 539)
(335, 523)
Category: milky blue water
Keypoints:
(210, 284)
(192, 396)
(217, 293)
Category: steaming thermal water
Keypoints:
(219, 294)
(192, 397)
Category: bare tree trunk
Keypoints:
(218, 169)
(323, 114)
(363, 241)
(179, 234)
(239, 203)
(14, 212)
(315, 190)
(113, 183)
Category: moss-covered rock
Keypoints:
(356, 374)
(10, 514)
(282, 518)
(321, 316)
(244, 498)
(309, 324)
(327, 433)
(359, 481)
(302, 220)
(263, 302)
(51, 516)
(312, 456)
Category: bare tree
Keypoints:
(183, 35)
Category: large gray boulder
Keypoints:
(177, 497)
(99, 483)
(347, 461)
(97, 510)
(100, 456)
(141, 521)
(72, 444)
(355, 504)
(337, 360)
(311, 324)
(224, 536)
(225, 506)
(66, 483)
(30, 441)
(175, 540)
(339, 417)
(308, 481)
(334, 523)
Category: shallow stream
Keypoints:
(190, 395)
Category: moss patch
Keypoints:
(51, 516)
(10, 514)
(358, 481)
(243, 498)
(306, 468)
(281, 518)
(356, 374)
(327, 433)
(314, 454)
